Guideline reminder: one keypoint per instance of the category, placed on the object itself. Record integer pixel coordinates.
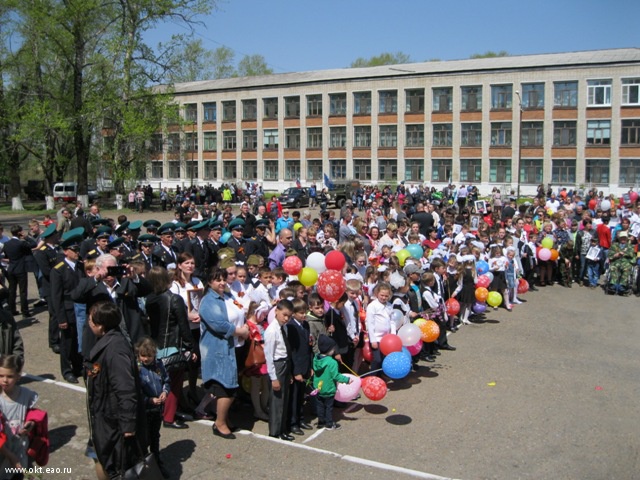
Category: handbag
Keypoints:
(255, 355)
(145, 469)
(173, 359)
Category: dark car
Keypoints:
(295, 197)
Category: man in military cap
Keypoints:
(165, 254)
(260, 243)
(134, 231)
(199, 248)
(237, 242)
(147, 243)
(46, 257)
(65, 277)
(180, 239)
(102, 238)
(126, 249)
(152, 226)
(115, 248)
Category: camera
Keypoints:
(117, 271)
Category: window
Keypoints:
(362, 103)
(210, 141)
(338, 169)
(597, 171)
(229, 111)
(229, 140)
(415, 136)
(249, 139)
(174, 169)
(565, 94)
(442, 99)
(173, 115)
(470, 170)
(362, 136)
(314, 105)
(388, 136)
(192, 169)
(292, 138)
(191, 113)
(271, 170)
(415, 100)
(210, 113)
(387, 170)
(314, 137)
(250, 109)
(414, 169)
(314, 170)
(338, 137)
(389, 101)
(270, 139)
(630, 132)
(292, 107)
(155, 144)
(500, 134)
(629, 172)
(362, 169)
(210, 170)
(500, 170)
(442, 134)
(441, 169)
(191, 142)
(471, 135)
(501, 96)
(270, 108)
(338, 104)
(630, 91)
(471, 98)
(531, 171)
(250, 170)
(564, 133)
(173, 143)
(533, 95)
(532, 134)
(229, 170)
(563, 171)
(157, 170)
(598, 93)
(598, 132)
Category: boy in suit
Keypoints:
(298, 333)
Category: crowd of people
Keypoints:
(204, 300)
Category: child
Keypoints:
(594, 258)
(336, 327)
(260, 294)
(298, 334)
(155, 385)
(498, 266)
(326, 375)
(278, 282)
(276, 352)
(529, 260)
(511, 274)
(315, 318)
(379, 322)
(465, 292)
(14, 403)
(434, 304)
(356, 330)
(370, 281)
(258, 374)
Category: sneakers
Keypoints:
(516, 301)
(333, 426)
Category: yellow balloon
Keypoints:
(308, 276)
(419, 322)
(402, 256)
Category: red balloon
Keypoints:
(366, 352)
(334, 260)
(331, 285)
(453, 306)
(292, 265)
(374, 388)
(483, 281)
(390, 343)
(523, 286)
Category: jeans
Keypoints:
(582, 270)
(81, 319)
(593, 271)
(324, 410)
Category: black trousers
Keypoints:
(70, 359)
(279, 401)
(154, 422)
(296, 401)
(54, 329)
(16, 280)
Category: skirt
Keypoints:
(499, 283)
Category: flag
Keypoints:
(328, 182)
(298, 184)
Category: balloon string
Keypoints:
(369, 373)
(345, 366)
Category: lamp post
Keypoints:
(519, 159)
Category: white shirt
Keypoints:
(379, 321)
(274, 347)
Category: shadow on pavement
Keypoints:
(60, 436)
(399, 419)
(376, 409)
(175, 454)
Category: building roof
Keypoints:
(548, 60)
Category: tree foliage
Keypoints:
(385, 58)
(490, 54)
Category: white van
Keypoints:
(65, 192)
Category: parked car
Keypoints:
(295, 197)
(68, 192)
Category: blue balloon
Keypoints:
(396, 365)
(415, 250)
(482, 267)
(479, 307)
(225, 237)
(405, 350)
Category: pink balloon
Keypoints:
(544, 254)
(348, 391)
(483, 281)
(415, 349)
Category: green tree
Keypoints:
(223, 63)
(490, 54)
(253, 65)
(191, 62)
(385, 58)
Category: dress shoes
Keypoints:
(286, 437)
(203, 416)
(218, 433)
(27, 314)
(448, 347)
(429, 358)
(70, 378)
(176, 425)
(305, 426)
(56, 349)
(297, 431)
(185, 417)
(40, 303)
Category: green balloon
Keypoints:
(494, 299)
(403, 255)
(308, 276)
(547, 242)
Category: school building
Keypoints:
(569, 119)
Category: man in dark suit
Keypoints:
(16, 250)
(165, 254)
(146, 242)
(237, 241)
(199, 248)
(297, 336)
(65, 276)
(47, 256)
(425, 219)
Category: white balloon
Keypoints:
(409, 334)
(605, 205)
(490, 275)
(316, 261)
(397, 317)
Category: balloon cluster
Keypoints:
(325, 271)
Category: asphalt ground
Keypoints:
(549, 391)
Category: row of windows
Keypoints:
(500, 170)
(564, 134)
(565, 95)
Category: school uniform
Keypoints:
(276, 351)
(298, 334)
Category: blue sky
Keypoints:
(300, 35)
